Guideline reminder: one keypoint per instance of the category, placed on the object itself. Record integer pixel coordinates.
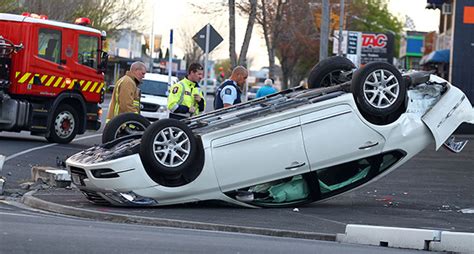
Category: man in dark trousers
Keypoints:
(229, 92)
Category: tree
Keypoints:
(192, 52)
(248, 33)
(232, 54)
(297, 44)
(107, 15)
(373, 16)
(9, 6)
(269, 17)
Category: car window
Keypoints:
(153, 87)
(336, 179)
(88, 49)
(49, 45)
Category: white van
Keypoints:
(154, 96)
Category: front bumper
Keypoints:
(153, 116)
(122, 175)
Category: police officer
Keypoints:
(126, 95)
(229, 92)
(185, 98)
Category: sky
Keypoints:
(180, 16)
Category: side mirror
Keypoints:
(104, 59)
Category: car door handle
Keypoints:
(294, 165)
(368, 145)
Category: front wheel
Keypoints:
(168, 147)
(64, 126)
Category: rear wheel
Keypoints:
(123, 125)
(379, 91)
(331, 71)
(64, 125)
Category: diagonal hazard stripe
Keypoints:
(93, 87)
(17, 74)
(87, 85)
(24, 78)
(99, 88)
(58, 81)
(43, 78)
(50, 80)
(72, 84)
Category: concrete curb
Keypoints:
(408, 238)
(29, 200)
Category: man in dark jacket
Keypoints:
(229, 92)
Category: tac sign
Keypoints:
(214, 38)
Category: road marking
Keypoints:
(46, 146)
(18, 214)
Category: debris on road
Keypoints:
(51, 176)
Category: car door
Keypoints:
(85, 63)
(50, 73)
(336, 134)
(269, 152)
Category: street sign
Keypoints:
(214, 38)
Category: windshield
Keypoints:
(153, 87)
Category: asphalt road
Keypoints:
(23, 231)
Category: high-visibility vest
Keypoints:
(182, 93)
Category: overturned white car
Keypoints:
(290, 148)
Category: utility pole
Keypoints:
(152, 38)
(341, 24)
(170, 58)
(323, 43)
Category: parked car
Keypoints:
(300, 145)
(154, 96)
(211, 87)
(252, 92)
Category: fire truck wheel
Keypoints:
(64, 126)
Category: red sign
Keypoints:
(374, 40)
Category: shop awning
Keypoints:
(438, 56)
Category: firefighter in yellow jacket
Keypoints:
(185, 98)
(126, 94)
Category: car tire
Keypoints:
(64, 125)
(328, 72)
(123, 125)
(379, 91)
(168, 147)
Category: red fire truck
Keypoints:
(51, 77)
